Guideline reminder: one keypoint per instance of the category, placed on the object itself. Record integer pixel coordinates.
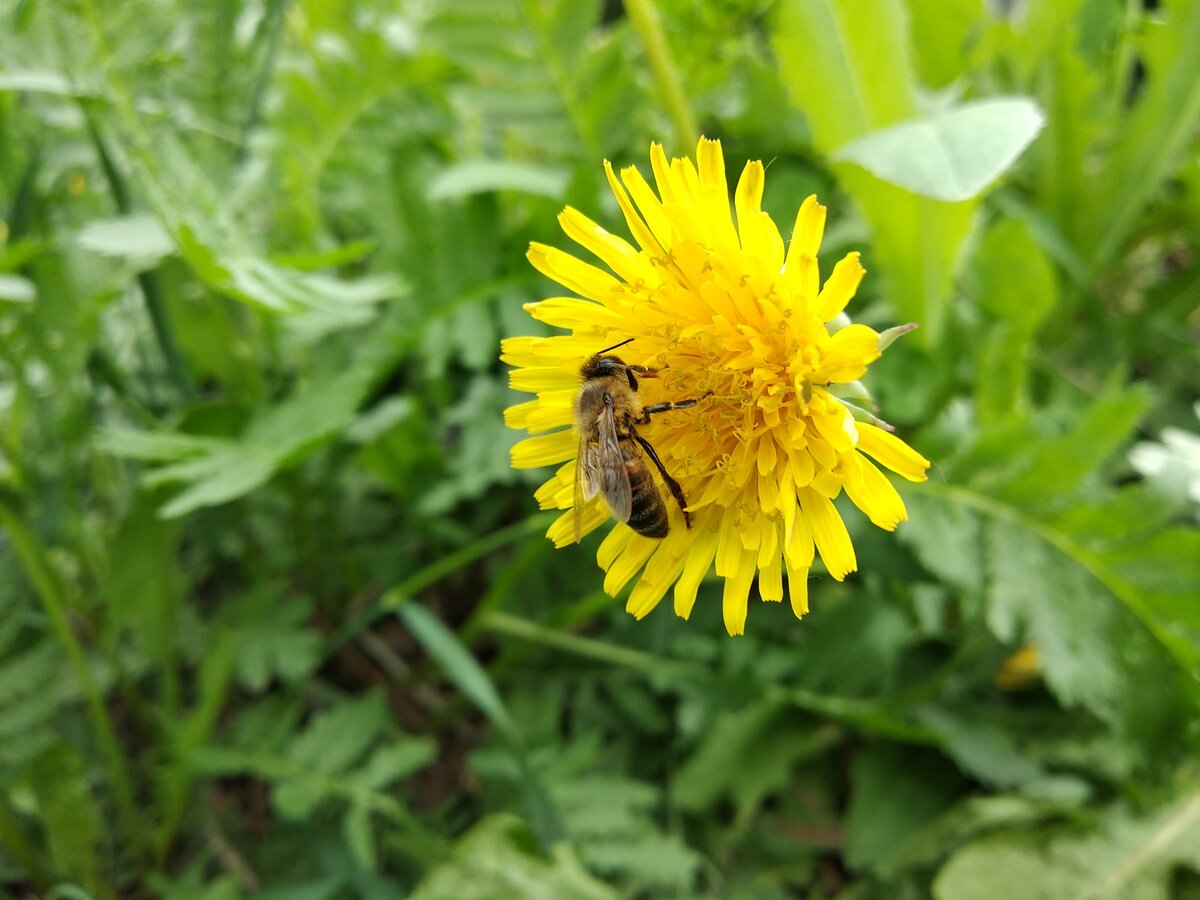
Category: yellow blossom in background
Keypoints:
(733, 317)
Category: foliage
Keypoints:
(277, 618)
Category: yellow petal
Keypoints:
(615, 252)
(571, 273)
(759, 236)
(699, 561)
(650, 207)
(846, 356)
(798, 590)
(660, 572)
(875, 496)
(839, 287)
(628, 563)
(829, 533)
(770, 579)
(714, 195)
(570, 312)
(892, 452)
(800, 268)
(538, 379)
(545, 449)
(647, 236)
(737, 593)
(562, 531)
(551, 409)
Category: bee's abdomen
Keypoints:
(648, 513)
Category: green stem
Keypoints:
(21, 848)
(33, 558)
(152, 292)
(662, 66)
(399, 594)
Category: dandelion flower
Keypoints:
(734, 317)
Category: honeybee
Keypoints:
(612, 454)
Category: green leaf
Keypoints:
(1150, 143)
(1011, 278)
(851, 74)
(457, 663)
(478, 176)
(496, 860)
(139, 238)
(16, 289)
(982, 747)
(953, 153)
(1122, 855)
(215, 471)
(896, 791)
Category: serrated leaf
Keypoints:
(654, 859)
(1121, 856)
(1075, 626)
(337, 737)
(394, 761)
(495, 860)
(950, 154)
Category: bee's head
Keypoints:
(600, 366)
(603, 365)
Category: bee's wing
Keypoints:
(583, 491)
(614, 474)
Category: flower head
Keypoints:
(731, 317)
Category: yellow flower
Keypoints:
(732, 317)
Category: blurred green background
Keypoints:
(277, 619)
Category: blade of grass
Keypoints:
(457, 663)
(32, 555)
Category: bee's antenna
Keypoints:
(615, 346)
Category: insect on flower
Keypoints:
(715, 312)
(610, 460)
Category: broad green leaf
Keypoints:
(981, 747)
(950, 154)
(16, 289)
(1121, 856)
(944, 30)
(851, 74)
(139, 238)
(479, 176)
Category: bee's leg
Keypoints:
(643, 371)
(672, 484)
(656, 408)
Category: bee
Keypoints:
(612, 455)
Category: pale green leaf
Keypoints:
(477, 176)
(949, 154)
(139, 238)
(16, 289)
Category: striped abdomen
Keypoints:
(647, 511)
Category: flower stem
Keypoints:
(662, 65)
